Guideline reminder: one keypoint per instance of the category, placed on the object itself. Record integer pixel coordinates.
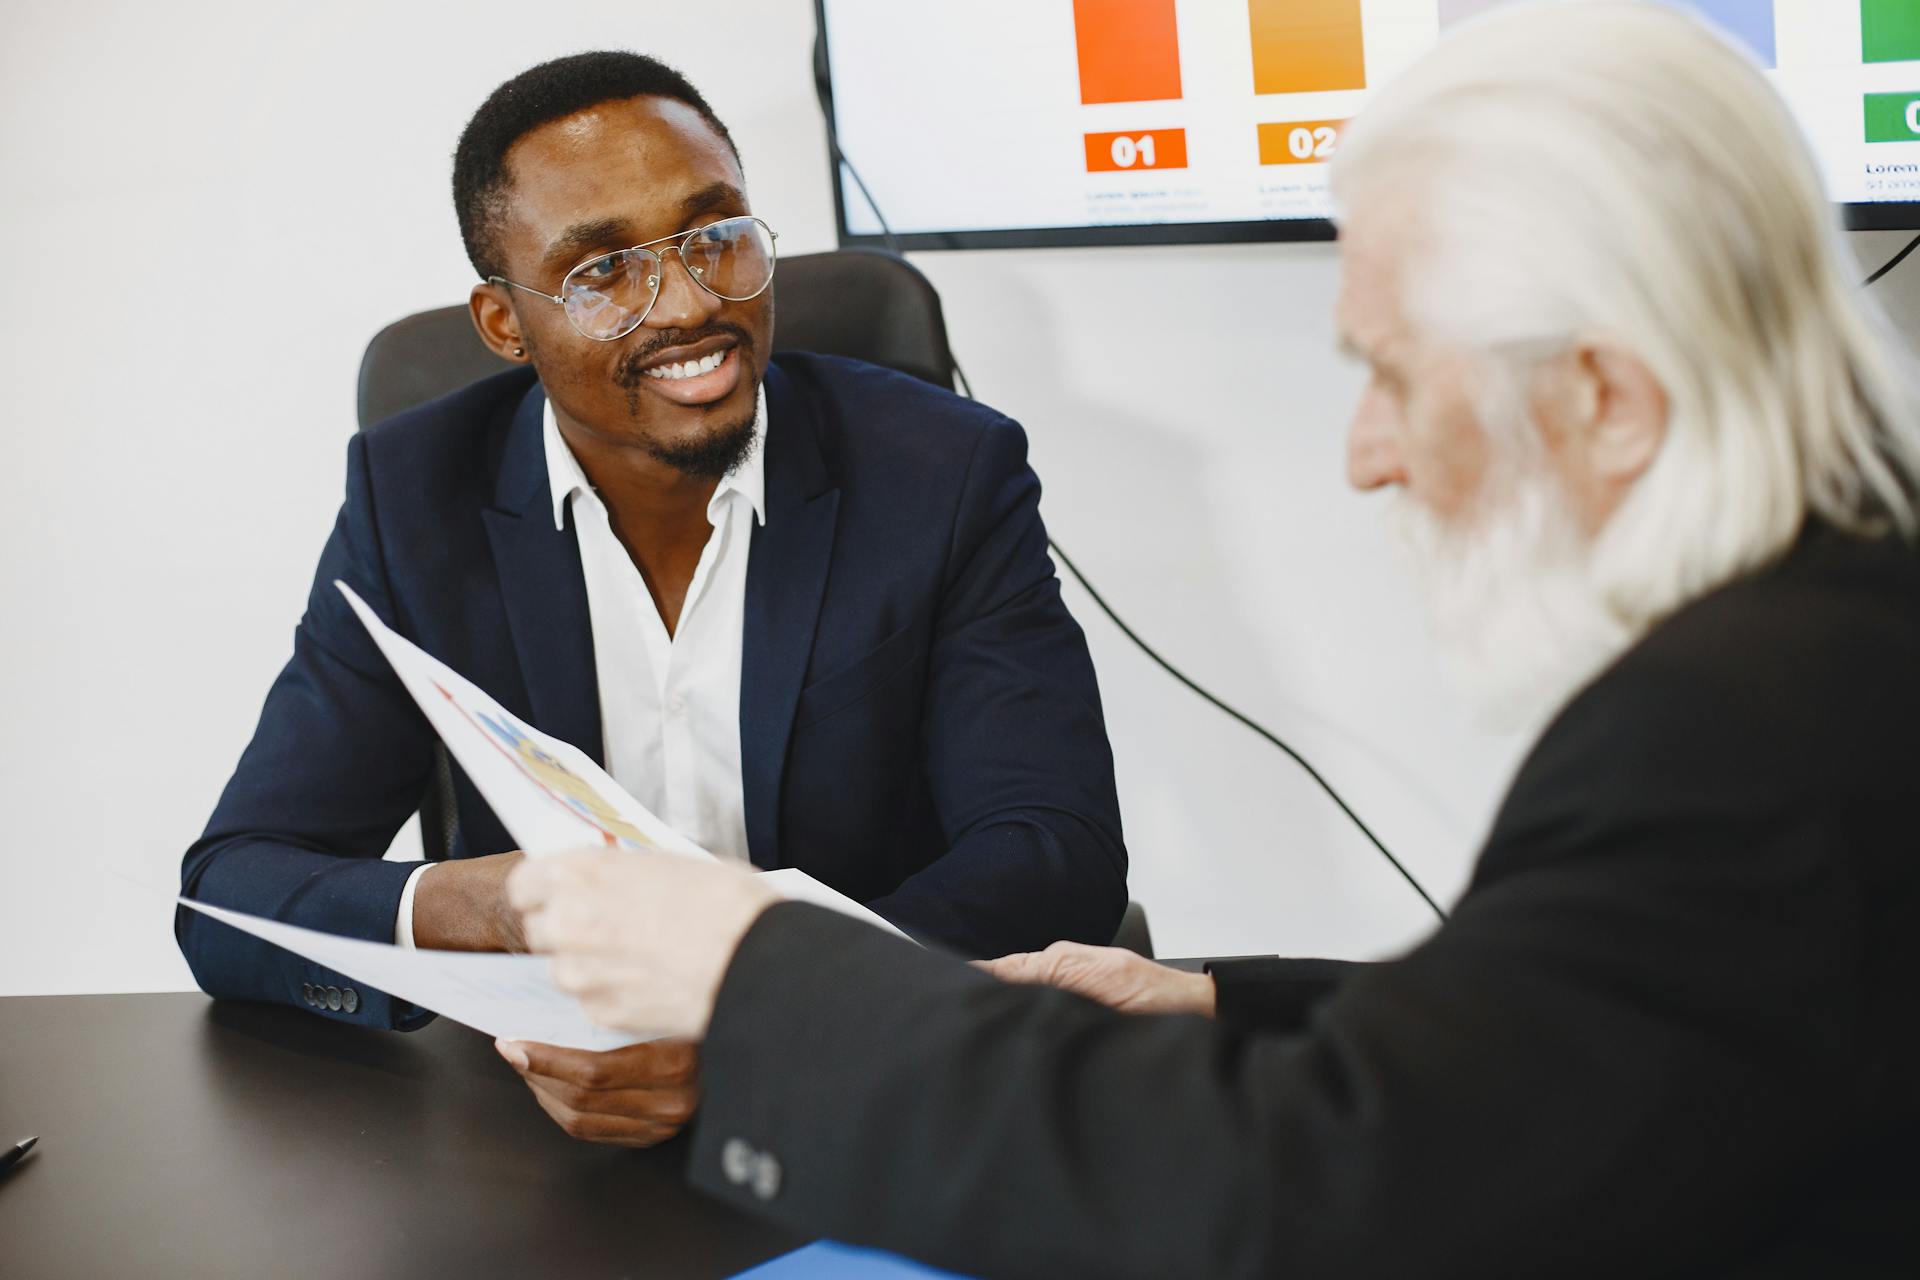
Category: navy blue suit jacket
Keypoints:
(919, 722)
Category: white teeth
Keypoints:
(689, 368)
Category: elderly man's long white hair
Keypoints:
(1605, 168)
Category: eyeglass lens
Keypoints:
(609, 296)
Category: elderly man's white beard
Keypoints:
(1519, 625)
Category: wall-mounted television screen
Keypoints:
(999, 123)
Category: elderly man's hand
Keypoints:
(641, 940)
(632, 1097)
(1111, 975)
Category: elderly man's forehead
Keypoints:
(1368, 310)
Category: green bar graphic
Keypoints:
(1893, 117)
(1890, 30)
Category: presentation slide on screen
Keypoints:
(997, 115)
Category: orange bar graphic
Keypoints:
(1129, 50)
(1307, 46)
(1300, 141)
(1131, 152)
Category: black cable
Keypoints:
(1249, 722)
(823, 94)
(1893, 262)
(840, 158)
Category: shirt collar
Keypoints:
(749, 479)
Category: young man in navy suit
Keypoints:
(802, 608)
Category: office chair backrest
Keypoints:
(860, 303)
(421, 358)
(867, 305)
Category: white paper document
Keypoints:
(551, 797)
(507, 996)
(792, 882)
(548, 794)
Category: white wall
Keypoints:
(205, 211)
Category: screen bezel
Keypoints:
(1876, 216)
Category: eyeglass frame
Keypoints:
(680, 238)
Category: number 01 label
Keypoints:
(1126, 152)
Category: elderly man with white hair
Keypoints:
(1660, 458)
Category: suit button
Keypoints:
(766, 1177)
(333, 999)
(757, 1171)
(306, 993)
(737, 1161)
(350, 1000)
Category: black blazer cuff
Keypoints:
(786, 1030)
(1268, 993)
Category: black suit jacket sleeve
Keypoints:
(336, 766)
(1034, 849)
(1642, 1027)
(1268, 993)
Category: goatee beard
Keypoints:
(713, 456)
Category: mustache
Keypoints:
(627, 372)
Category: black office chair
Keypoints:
(862, 303)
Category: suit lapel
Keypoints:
(543, 589)
(786, 580)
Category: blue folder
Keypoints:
(825, 1260)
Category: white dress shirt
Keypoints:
(669, 704)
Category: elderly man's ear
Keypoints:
(1603, 415)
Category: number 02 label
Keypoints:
(1300, 141)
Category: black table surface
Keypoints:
(184, 1137)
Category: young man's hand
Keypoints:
(632, 1097)
(461, 905)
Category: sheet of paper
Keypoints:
(792, 882)
(508, 996)
(548, 794)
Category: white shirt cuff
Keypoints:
(403, 923)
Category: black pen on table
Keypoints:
(11, 1156)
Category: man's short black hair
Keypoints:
(540, 95)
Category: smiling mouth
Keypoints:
(687, 368)
(699, 373)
